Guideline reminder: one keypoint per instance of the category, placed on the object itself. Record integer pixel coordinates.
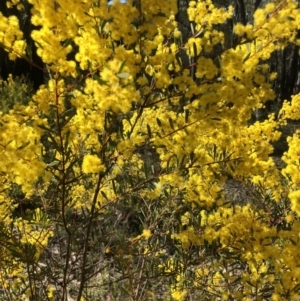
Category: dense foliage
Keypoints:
(113, 171)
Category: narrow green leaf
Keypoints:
(122, 66)
(54, 163)
(54, 143)
(171, 123)
(192, 157)
(23, 145)
(248, 46)
(112, 44)
(89, 65)
(102, 26)
(126, 85)
(67, 139)
(47, 129)
(123, 75)
(104, 195)
(231, 167)
(195, 49)
(178, 59)
(88, 14)
(293, 242)
(192, 28)
(67, 43)
(29, 52)
(198, 33)
(114, 186)
(246, 57)
(100, 80)
(215, 152)
(78, 70)
(187, 114)
(39, 44)
(65, 122)
(121, 131)
(146, 170)
(169, 161)
(149, 131)
(223, 154)
(68, 113)
(158, 122)
(182, 164)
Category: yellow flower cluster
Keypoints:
(92, 164)
(11, 37)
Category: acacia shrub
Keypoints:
(83, 139)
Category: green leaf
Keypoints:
(39, 44)
(126, 85)
(182, 164)
(67, 139)
(114, 186)
(192, 28)
(67, 43)
(169, 161)
(112, 44)
(68, 113)
(215, 152)
(54, 163)
(248, 46)
(187, 114)
(104, 195)
(47, 129)
(158, 122)
(199, 33)
(29, 52)
(146, 170)
(290, 18)
(171, 123)
(246, 57)
(102, 25)
(293, 242)
(177, 57)
(88, 14)
(78, 70)
(223, 155)
(122, 66)
(54, 143)
(23, 145)
(100, 80)
(123, 75)
(149, 131)
(195, 49)
(231, 167)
